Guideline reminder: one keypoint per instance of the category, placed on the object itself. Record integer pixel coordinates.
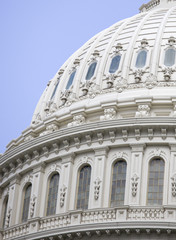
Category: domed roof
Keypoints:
(149, 33)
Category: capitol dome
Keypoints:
(98, 160)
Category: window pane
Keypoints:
(155, 182)
(55, 89)
(26, 203)
(70, 81)
(141, 59)
(83, 188)
(52, 195)
(169, 57)
(118, 183)
(114, 64)
(91, 71)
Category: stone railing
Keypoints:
(71, 219)
(16, 231)
(145, 214)
(98, 216)
(54, 222)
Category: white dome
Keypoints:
(99, 159)
(151, 32)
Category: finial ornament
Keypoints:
(157, 3)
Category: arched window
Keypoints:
(26, 203)
(141, 59)
(52, 195)
(5, 210)
(118, 183)
(91, 71)
(83, 188)
(115, 64)
(169, 59)
(70, 80)
(55, 89)
(155, 182)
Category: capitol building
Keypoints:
(99, 158)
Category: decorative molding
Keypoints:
(49, 129)
(125, 135)
(32, 205)
(28, 179)
(143, 111)
(77, 120)
(150, 133)
(167, 73)
(100, 138)
(134, 185)
(138, 75)
(54, 168)
(112, 136)
(97, 188)
(173, 185)
(137, 134)
(109, 114)
(62, 195)
(7, 219)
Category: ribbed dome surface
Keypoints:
(153, 31)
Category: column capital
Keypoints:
(68, 158)
(172, 147)
(138, 147)
(103, 151)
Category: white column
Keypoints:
(36, 194)
(137, 151)
(98, 186)
(65, 183)
(13, 200)
(172, 176)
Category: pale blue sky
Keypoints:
(37, 36)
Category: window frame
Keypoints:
(110, 192)
(87, 69)
(110, 62)
(77, 186)
(148, 174)
(29, 184)
(47, 192)
(164, 56)
(74, 71)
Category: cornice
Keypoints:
(133, 132)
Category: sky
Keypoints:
(37, 37)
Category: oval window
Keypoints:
(91, 71)
(169, 59)
(141, 59)
(70, 80)
(115, 64)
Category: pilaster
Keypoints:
(137, 151)
(65, 183)
(13, 200)
(98, 178)
(36, 194)
(172, 176)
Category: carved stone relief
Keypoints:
(62, 195)
(97, 188)
(77, 120)
(173, 185)
(109, 114)
(32, 205)
(134, 185)
(143, 111)
(7, 219)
